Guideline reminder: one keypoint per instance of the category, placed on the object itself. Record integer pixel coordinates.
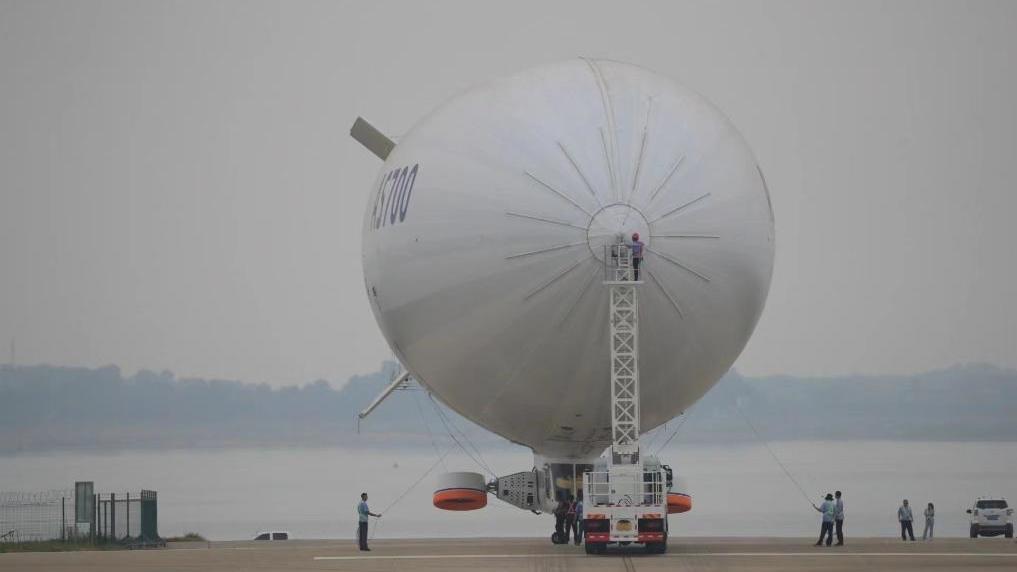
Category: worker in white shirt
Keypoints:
(838, 517)
(905, 517)
(827, 508)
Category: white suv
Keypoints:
(991, 517)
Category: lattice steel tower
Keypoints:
(624, 324)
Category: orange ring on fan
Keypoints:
(460, 499)
(678, 502)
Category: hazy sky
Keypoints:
(178, 189)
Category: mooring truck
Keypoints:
(626, 495)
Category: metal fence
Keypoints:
(27, 517)
(118, 517)
(79, 515)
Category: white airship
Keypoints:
(489, 242)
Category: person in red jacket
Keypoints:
(636, 246)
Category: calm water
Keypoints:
(737, 489)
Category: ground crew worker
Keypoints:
(637, 254)
(905, 518)
(570, 521)
(579, 518)
(559, 519)
(930, 522)
(838, 518)
(363, 512)
(828, 508)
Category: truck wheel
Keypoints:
(1009, 531)
(974, 531)
(656, 547)
(595, 547)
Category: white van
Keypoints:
(273, 535)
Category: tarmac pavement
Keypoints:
(492, 554)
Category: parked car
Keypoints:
(273, 535)
(991, 517)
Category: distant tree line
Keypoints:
(44, 407)
(960, 403)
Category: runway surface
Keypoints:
(700, 554)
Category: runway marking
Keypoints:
(835, 554)
(682, 555)
(437, 556)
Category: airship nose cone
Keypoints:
(615, 222)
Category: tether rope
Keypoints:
(374, 530)
(774, 456)
(674, 433)
(446, 421)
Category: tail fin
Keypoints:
(375, 141)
